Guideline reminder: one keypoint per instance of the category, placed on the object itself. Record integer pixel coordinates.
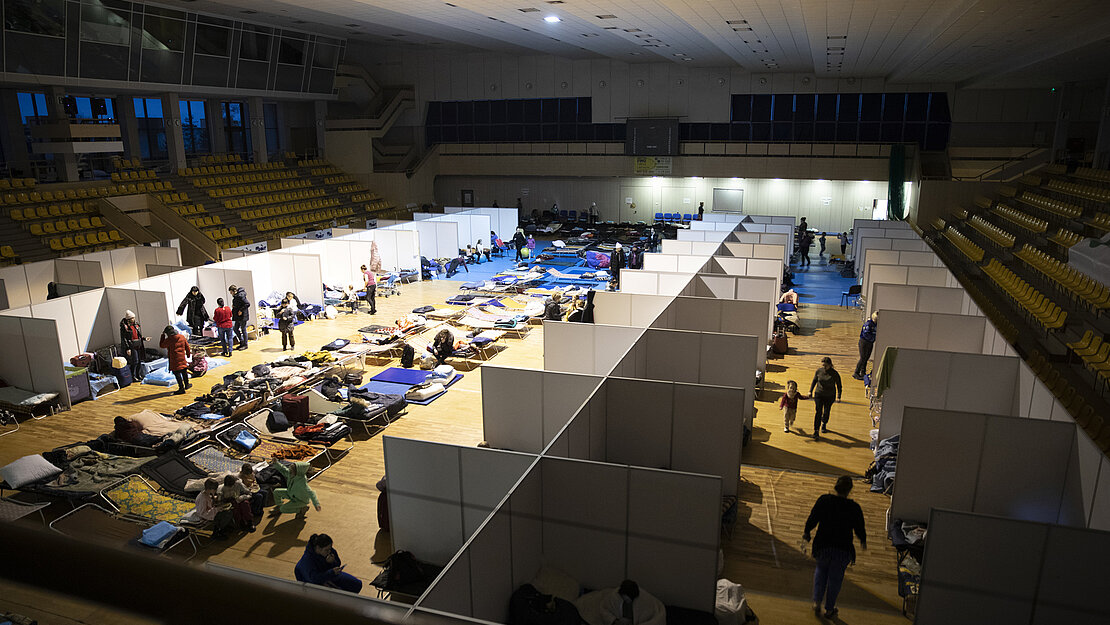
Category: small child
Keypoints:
(789, 404)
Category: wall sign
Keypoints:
(652, 165)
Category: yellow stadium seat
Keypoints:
(102, 237)
(6, 251)
(60, 226)
(16, 214)
(47, 196)
(114, 235)
(79, 240)
(96, 222)
(73, 224)
(56, 245)
(71, 194)
(68, 243)
(54, 210)
(85, 224)
(36, 229)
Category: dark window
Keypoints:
(894, 107)
(871, 107)
(848, 109)
(917, 107)
(163, 33)
(761, 131)
(782, 131)
(194, 127)
(105, 25)
(740, 132)
(532, 113)
(435, 113)
(465, 113)
(40, 17)
(255, 44)
(212, 40)
(325, 56)
(826, 107)
(291, 51)
(498, 112)
(236, 127)
(761, 108)
(481, 112)
(783, 108)
(585, 110)
(549, 111)
(152, 129)
(741, 108)
(938, 108)
(804, 107)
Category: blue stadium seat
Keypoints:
(658, 216)
(687, 217)
(573, 215)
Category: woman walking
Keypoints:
(192, 307)
(178, 352)
(836, 518)
(825, 389)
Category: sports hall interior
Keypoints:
(961, 147)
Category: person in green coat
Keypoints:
(298, 493)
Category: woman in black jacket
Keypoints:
(131, 343)
(825, 389)
(192, 307)
(287, 319)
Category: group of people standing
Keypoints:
(804, 240)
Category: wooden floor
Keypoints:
(783, 474)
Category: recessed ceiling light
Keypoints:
(606, 17)
(634, 53)
(552, 19)
(736, 21)
(742, 29)
(589, 34)
(555, 2)
(351, 25)
(451, 5)
(609, 27)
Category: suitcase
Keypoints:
(123, 375)
(295, 408)
(779, 343)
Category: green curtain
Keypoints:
(896, 185)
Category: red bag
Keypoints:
(295, 408)
(84, 360)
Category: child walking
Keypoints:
(788, 403)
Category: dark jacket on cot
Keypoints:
(826, 383)
(315, 568)
(868, 331)
(836, 518)
(177, 351)
(240, 306)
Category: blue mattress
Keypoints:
(405, 376)
(386, 388)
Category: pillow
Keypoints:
(28, 469)
(551, 581)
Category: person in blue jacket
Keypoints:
(866, 344)
(321, 565)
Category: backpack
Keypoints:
(199, 366)
(398, 570)
(408, 354)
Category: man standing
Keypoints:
(616, 263)
(804, 244)
(701, 210)
(518, 242)
(866, 344)
(240, 313)
(836, 518)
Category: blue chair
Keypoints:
(573, 215)
(687, 217)
(658, 216)
(853, 291)
(563, 214)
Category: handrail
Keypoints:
(1001, 167)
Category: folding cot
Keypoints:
(318, 457)
(93, 523)
(136, 500)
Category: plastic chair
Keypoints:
(687, 217)
(853, 291)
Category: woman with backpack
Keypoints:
(287, 320)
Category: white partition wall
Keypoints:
(752, 267)
(901, 274)
(628, 309)
(985, 457)
(700, 235)
(923, 378)
(33, 356)
(728, 316)
(673, 262)
(629, 536)
(733, 287)
(588, 348)
(644, 282)
(695, 357)
(938, 331)
(80, 272)
(523, 409)
(299, 273)
(151, 309)
(1021, 572)
(700, 248)
(678, 426)
(953, 301)
(218, 281)
(440, 494)
(438, 239)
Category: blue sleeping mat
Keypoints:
(387, 388)
(411, 377)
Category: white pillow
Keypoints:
(28, 469)
(552, 581)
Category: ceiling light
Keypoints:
(529, 10)
(606, 17)
(632, 30)
(736, 21)
(552, 19)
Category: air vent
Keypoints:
(742, 29)
(632, 30)
(736, 21)
(529, 10)
(454, 6)
(837, 37)
(606, 17)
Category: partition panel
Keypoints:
(307, 278)
(125, 267)
(692, 512)
(38, 276)
(504, 425)
(181, 282)
(44, 358)
(998, 585)
(705, 440)
(92, 320)
(425, 497)
(15, 286)
(585, 527)
(488, 554)
(639, 417)
(120, 301)
(1033, 453)
(452, 592)
(15, 369)
(525, 508)
(61, 312)
(935, 331)
(151, 307)
(563, 396)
